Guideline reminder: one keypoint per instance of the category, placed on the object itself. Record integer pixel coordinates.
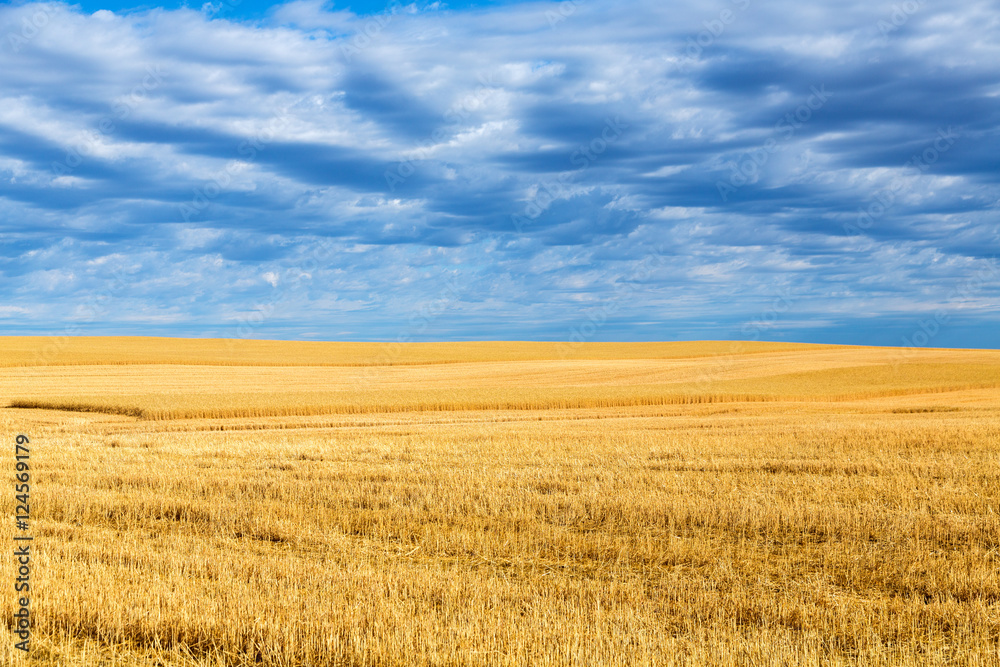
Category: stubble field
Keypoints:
(262, 503)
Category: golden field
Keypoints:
(264, 503)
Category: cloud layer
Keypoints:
(580, 170)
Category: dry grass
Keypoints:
(85, 350)
(532, 512)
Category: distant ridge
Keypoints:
(102, 350)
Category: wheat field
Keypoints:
(212, 502)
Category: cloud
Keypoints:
(338, 168)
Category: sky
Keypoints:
(586, 170)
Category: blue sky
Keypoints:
(580, 170)
(251, 10)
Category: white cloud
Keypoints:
(198, 151)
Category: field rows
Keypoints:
(27, 351)
(862, 531)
